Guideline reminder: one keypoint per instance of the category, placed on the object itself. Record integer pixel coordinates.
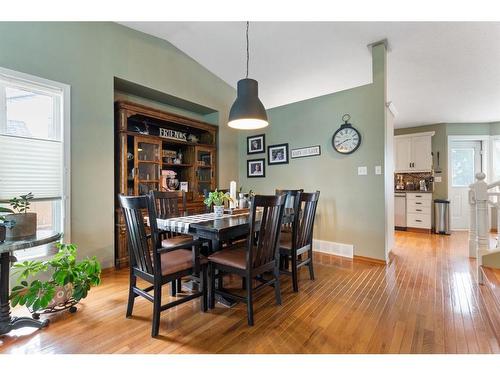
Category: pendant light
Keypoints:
(247, 111)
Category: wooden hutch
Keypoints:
(149, 142)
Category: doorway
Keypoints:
(465, 160)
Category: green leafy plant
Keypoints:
(64, 270)
(21, 203)
(217, 198)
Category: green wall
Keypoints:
(351, 207)
(440, 144)
(88, 56)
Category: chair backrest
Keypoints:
(142, 248)
(263, 241)
(303, 221)
(167, 203)
(291, 201)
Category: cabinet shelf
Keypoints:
(177, 165)
(149, 181)
(204, 166)
(168, 140)
(149, 161)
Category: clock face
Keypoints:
(346, 140)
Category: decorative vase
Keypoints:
(219, 211)
(62, 295)
(25, 226)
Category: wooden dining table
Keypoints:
(217, 230)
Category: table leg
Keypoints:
(8, 323)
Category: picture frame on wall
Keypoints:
(256, 168)
(256, 144)
(277, 154)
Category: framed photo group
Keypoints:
(276, 154)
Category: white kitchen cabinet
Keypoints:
(413, 152)
(419, 210)
(402, 154)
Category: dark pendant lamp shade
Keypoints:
(247, 111)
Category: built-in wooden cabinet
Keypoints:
(149, 141)
(413, 152)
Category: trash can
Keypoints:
(441, 216)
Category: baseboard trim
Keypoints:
(334, 248)
(369, 260)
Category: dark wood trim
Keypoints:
(134, 109)
(361, 258)
(418, 230)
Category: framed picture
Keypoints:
(277, 154)
(256, 144)
(305, 152)
(256, 168)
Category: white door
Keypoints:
(402, 154)
(421, 149)
(465, 162)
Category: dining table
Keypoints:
(7, 249)
(218, 230)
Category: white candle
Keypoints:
(232, 193)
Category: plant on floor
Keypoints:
(217, 198)
(65, 273)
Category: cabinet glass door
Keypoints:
(204, 169)
(147, 165)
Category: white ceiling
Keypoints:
(437, 72)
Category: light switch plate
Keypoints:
(438, 179)
(362, 171)
(378, 169)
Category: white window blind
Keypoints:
(30, 165)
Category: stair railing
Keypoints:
(479, 201)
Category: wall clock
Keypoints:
(346, 139)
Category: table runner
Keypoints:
(181, 224)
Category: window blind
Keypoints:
(28, 163)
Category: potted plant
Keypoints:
(25, 221)
(68, 282)
(217, 199)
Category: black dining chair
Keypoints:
(155, 264)
(292, 248)
(167, 206)
(258, 255)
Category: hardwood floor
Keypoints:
(425, 301)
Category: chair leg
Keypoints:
(211, 302)
(249, 301)
(295, 280)
(285, 263)
(173, 288)
(311, 268)
(243, 283)
(179, 285)
(156, 309)
(277, 285)
(204, 287)
(131, 295)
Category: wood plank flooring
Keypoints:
(425, 301)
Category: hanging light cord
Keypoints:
(248, 54)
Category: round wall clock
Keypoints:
(346, 139)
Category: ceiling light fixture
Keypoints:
(247, 111)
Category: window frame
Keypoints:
(20, 79)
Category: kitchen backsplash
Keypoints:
(415, 179)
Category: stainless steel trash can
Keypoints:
(441, 216)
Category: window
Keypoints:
(462, 163)
(34, 146)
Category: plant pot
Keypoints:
(219, 211)
(25, 226)
(2, 233)
(62, 296)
